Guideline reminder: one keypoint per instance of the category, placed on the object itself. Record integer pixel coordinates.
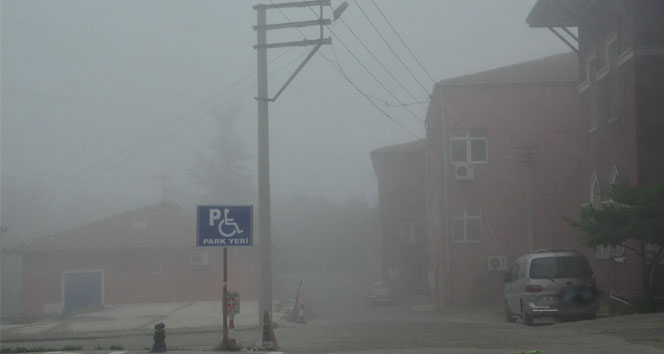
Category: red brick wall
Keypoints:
(526, 114)
(633, 143)
(178, 281)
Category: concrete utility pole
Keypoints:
(264, 223)
(527, 155)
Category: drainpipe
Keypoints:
(445, 200)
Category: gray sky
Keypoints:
(83, 80)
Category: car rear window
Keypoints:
(560, 267)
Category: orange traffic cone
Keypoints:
(300, 315)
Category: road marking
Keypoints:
(118, 352)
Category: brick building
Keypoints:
(401, 202)
(620, 46)
(143, 255)
(491, 137)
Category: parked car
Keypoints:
(380, 293)
(550, 283)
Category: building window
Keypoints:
(615, 176)
(407, 232)
(612, 53)
(199, 259)
(467, 226)
(124, 268)
(469, 145)
(155, 268)
(592, 107)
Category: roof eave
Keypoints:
(553, 13)
(515, 82)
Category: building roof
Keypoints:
(557, 13)
(162, 225)
(562, 67)
(411, 146)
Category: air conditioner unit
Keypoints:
(497, 263)
(199, 258)
(464, 171)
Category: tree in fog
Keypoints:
(20, 199)
(221, 172)
(634, 213)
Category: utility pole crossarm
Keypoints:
(298, 24)
(295, 4)
(301, 43)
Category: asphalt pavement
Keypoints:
(135, 317)
(357, 329)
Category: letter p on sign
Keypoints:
(215, 214)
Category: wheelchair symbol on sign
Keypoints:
(228, 223)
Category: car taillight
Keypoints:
(533, 288)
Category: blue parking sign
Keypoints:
(224, 225)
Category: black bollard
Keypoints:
(159, 337)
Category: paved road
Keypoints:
(388, 330)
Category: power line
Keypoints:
(156, 131)
(345, 76)
(391, 49)
(380, 62)
(368, 97)
(69, 180)
(385, 102)
(192, 122)
(374, 76)
(369, 71)
(434, 99)
(431, 97)
(403, 42)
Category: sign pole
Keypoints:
(225, 226)
(225, 300)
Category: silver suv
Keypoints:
(550, 283)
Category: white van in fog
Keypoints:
(550, 283)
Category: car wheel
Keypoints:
(508, 315)
(527, 319)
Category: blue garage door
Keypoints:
(82, 290)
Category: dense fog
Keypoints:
(113, 106)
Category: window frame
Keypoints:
(593, 94)
(468, 139)
(467, 215)
(410, 237)
(204, 256)
(613, 69)
(124, 269)
(152, 271)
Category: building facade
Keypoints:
(401, 202)
(502, 150)
(143, 255)
(620, 46)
